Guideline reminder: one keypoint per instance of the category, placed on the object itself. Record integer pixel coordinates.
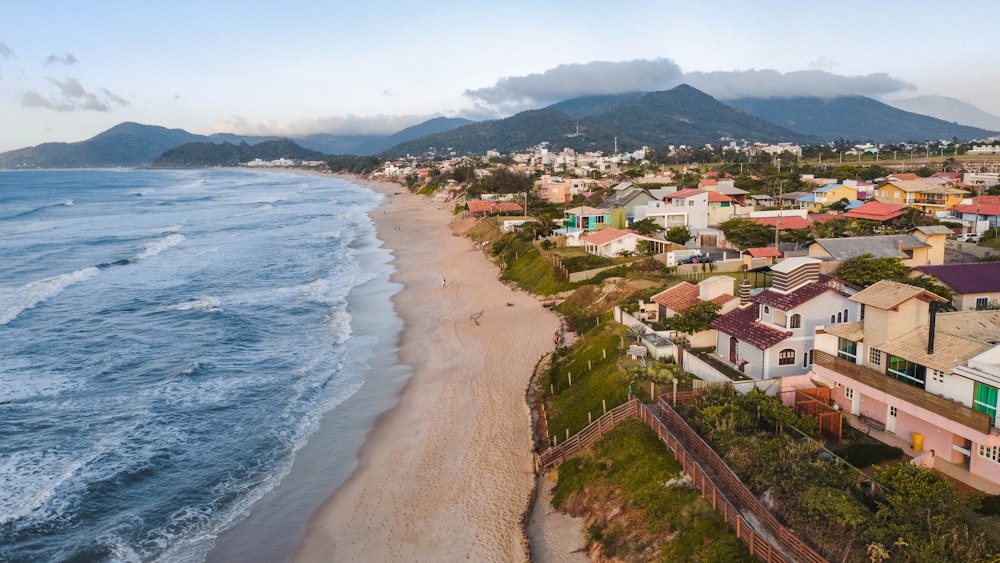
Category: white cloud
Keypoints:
(572, 80)
(72, 96)
(380, 124)
(513, 94)
(66, 59)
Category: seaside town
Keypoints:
(813, 341)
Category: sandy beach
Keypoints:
(446, 474)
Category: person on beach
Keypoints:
(444, 282)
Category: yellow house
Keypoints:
(925, 195)
(822, 198)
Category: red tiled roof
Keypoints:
(986, 205)
(484, 206)
(791, 222)
(685, 193)
(876, 211)
(604, 236)
(709, 182)
(742, 323)
(723, 299)
(788, 301)
(764, 252)
(678, 297)
(716, 197)
(906, 176)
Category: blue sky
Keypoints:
(69, 69)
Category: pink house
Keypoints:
(929, 378)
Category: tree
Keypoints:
(797, 236)
(747, 234)
(866, 270)
(679, 235)
(695, 318)
(840, 205)
(646, 226)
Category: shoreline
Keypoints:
(447, 472)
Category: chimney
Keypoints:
(930, 329)
(899, 248)
(745, 288)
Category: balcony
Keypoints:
(956, 412)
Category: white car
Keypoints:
(967, 237)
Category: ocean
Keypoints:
(169, 341)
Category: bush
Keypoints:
(865, 454)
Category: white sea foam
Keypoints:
(206, 304)
(13, 302)
(159, 246)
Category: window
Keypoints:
(848, 392)
(807, 358)
(985, 400)
(767, 310)
(847, 350)
(795, 321)
(833, 319)
(982, 303)
(845, 315)
(937, 376)
(906, 371)
(991, 453)
(786, 357)
(875, 356)
(840, 317)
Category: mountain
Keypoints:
(364, 145)
(949, 109)
(125, 144)
(855, 118)
(202, 154)
(680, 116)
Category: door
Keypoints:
(890, 423)
(734, 349)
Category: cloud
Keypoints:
(768, 83)
(66, 59)
(517, 93)
(340, 125)
(72, 96)
(573, 80)
(5, 51)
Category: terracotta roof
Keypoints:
(716, 197)
(686, 193)
(887, 294)
(974, 277)
(790, 222)
(742, 323)
(485, 206)
(678, 297)
(764, 252)
(905, 176)
(877, 211)
(604, 236)
(985, 205)
(723, 299)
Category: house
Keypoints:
(919, 247)
(764, 256)
(681, 296)
(980, 213)
(693, 208)
(877, 211)
(791, 199)
(727, 188)
(931, 379)
(587, 218)
(771, 333)
(628, 200)
(821, 198)
(554, 189)
(976, 285)
(928, 196)
(482, 207)
(612, 242)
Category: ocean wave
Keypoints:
(31, 294)
(159, 246)
(206, 304)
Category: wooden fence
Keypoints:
(766, 538)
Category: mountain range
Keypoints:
(679, 116)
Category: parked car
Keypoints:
(696, 259)
(967, 237)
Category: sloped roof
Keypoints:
(792, 299)
(953, 350)
(764, 252)
(933, 230)
(604, 236)
(486, 206)
(742, 323)
(914, 185)
(974, 277)
(585, 210)
(887, 294)
(877, 211)
(984, 205)
(882, 246)
(678, 297)
(790, 222)
(716, 197)
(690, 192)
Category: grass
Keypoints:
(646, 520)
